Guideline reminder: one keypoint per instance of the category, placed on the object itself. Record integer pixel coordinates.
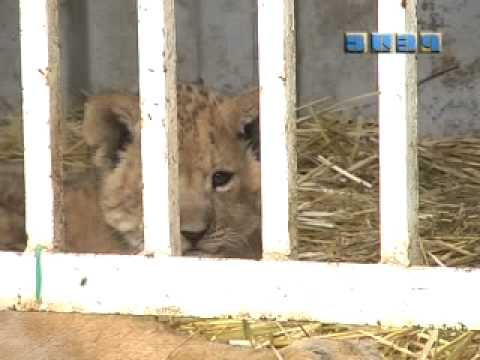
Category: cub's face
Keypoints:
(219, 174)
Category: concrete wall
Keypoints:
(9, 57)
(449, 104)
(216, 43)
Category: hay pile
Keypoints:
(337, 221)
(338, 192)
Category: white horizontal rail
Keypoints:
(397, 82)
(39, 73)
(156, 26)
(276, 49)
(346, 293)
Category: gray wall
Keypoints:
(449, 104)
(9, 57)
(216, 43)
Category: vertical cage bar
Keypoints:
(276, 49)
(397, 81)
(157, 79)
(42, 113)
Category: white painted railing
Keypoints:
(391, 292)
(397, 83)
(276, 64)
(39, 81)
(157, 80)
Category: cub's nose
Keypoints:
(194, 236)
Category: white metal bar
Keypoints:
(345, 293)
(156, 36)
(397, 82)
(41, 109)
(276, 48)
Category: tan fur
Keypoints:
(85, 227)
(42, 336)
(210, 129)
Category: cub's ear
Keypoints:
(250, 133)
(111, 123)
(248, 104)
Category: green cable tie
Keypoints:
(38, 273)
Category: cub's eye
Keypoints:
(221, 178)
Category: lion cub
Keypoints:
(219, 170)
(219, 179)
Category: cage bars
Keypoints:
(156, 54)
(276, 66)
(391, 293)
(397, 82)
(42, 113)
